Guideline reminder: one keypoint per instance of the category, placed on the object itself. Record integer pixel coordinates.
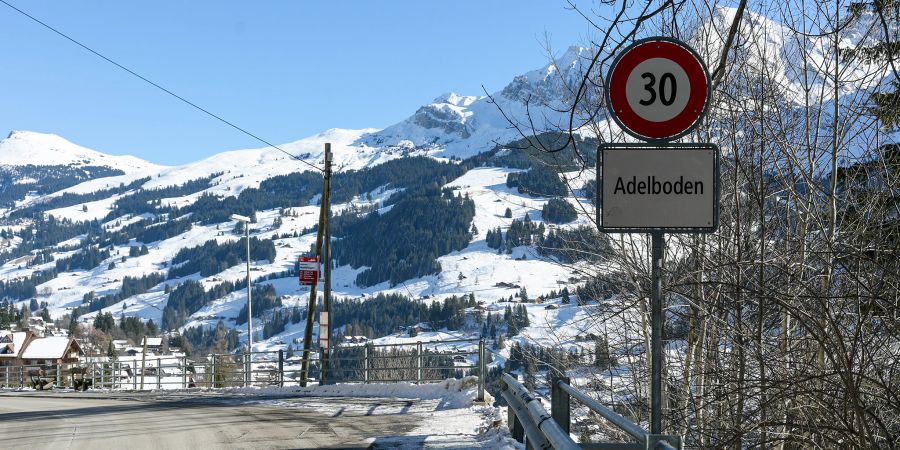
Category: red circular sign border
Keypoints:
(693, 111)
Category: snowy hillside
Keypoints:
(475, 269)
(26, 147)
(234, 170)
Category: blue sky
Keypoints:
(282, 70)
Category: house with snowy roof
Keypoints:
(26, 348)
(11, 345)
(54, 350)
(153, 343)
(119, 344)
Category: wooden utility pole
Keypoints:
(311, 310)
(326, 307)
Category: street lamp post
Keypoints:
(246, 221)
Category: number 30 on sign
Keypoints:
(658, 89)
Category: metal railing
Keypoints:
(418, 362)
(413, 362)
(38, 377)
(529, 422)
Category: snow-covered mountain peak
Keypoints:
(457, 125)
(574, 56)
(43, 149)
(548, 86)
(802, 66)
(456, 99)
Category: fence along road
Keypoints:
(418, 362)
(38, 420)
(125, 417)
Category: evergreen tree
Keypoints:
(104, 322)
(883, 49)
(406, 241)
(590, 191)
(152, 329)
(529, 375)
(538, 181)
(558, 210)
(494, 238)
(73, 329)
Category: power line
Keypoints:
(205, 111)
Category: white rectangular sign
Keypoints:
(672, 188)
(324, 329)
(308, 265)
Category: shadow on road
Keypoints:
(44, 420)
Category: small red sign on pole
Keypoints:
(309, 270)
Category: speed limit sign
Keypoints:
(658, 89)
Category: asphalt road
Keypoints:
(35, 421)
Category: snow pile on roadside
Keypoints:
(493, 432)
(472, 427)
(453, 392)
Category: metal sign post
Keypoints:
(658, 90)
(656, 329)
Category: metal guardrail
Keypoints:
(523, 408)
(423, 362)
(527, 418)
